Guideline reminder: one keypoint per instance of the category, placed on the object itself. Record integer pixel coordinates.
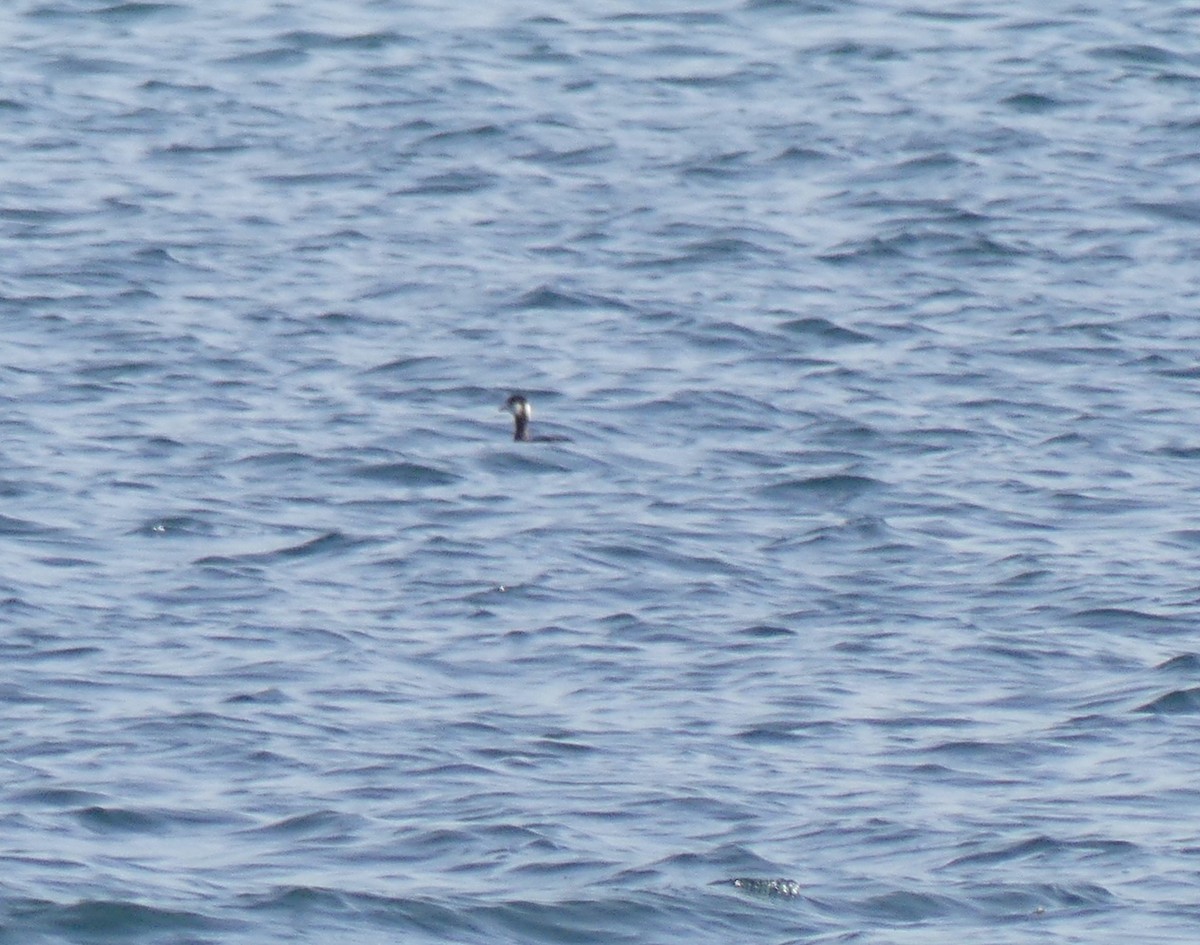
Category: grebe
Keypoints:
(522, 412)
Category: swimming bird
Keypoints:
(518, 405)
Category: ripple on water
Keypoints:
(108, 918)
(414, 475)
(870, 565)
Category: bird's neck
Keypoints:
(521, 428)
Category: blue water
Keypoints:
(872, 563)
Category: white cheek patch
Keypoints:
(519, 409)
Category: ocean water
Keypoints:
(872, 563)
